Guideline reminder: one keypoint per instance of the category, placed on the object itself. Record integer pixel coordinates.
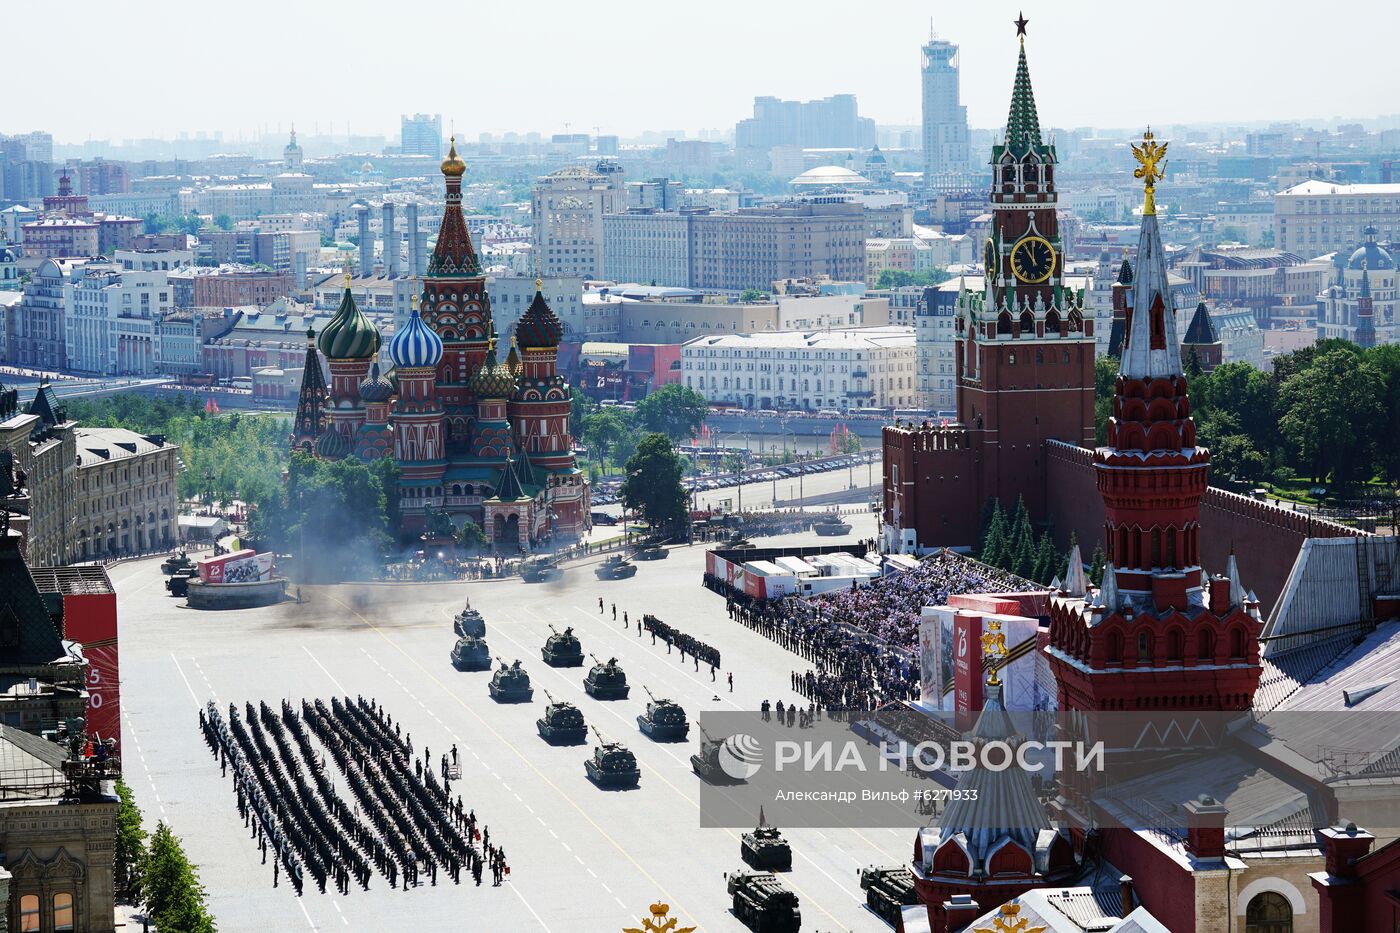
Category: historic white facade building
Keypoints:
(813, 370)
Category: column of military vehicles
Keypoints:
(760, 901)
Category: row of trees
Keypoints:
(614, 433)
(1328, 413)
(899, 278)
(158, 874)
(1008, 541)
(233, 456)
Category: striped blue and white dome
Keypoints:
(415, 346)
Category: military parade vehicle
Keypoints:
(736, 541)
(179, 584)
(651, 549)
(562, 649)
(706, 761)
(888, 891)
(664, 720)
(764, 848)
(471, 654)
(762, 903)
(616, 567)
(510, 684)
(469, 622)
(612, 765)
(606, 681)
(175, 563)
(562, 723)
(540, 569)
(830, 525)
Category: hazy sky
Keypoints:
(137, 68)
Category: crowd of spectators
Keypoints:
(889, 607)
(862, 643)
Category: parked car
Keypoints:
(603, 518)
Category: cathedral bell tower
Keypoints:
(1024, 329)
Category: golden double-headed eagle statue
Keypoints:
(1151, 156)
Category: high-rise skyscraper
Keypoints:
(946, 154)
(421, 134)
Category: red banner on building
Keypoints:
(91, 620)
(967, 662)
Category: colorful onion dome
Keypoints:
(349, 335)
(513, 358)
(539, 327)
(415, 346)
(332, 445)
(452, 166)
(375, 388)
(493, 380)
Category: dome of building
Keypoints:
(538, 326)
(876, 157)
(1370, 254)
(493, 380)
(332, 445)
(513, 358)
(829, 176)
(415, 346)
(7, 255)
(452, 166)
(349, 335)
(367, 167)
(375, 388)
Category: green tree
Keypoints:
(472, 539)
(223, 222)
(1331, 412)
(653, 485)
(582, 407)
(335, 519)
(1234, 455)
(849, 444)
(752, 294)
(1386, 360)
(994, 538)
(602, 432)
(1046, 559)
(674, 410)
(175, 899)
(129, 855)
(1096, 565)
(1105, 375)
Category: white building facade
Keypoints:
(111, 320)
(837, 370)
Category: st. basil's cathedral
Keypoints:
(479, 438)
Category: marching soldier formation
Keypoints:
(402, 822)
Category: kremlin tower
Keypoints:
(1156, 635)
(484, 441)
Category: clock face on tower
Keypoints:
(989, 263)
(1033, 260)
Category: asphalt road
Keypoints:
(581, 859)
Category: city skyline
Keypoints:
(558, 76)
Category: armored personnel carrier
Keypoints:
(605, 680)
(664, 720)
(616, 567)
(540, 569)
(562, 649)
(764, 848)
(471, 654)
(706, 762)
(562, 723)
(175, 563)
(469, 622)
(612, 765)
(510, 684)
(887, 890)
(762, 903)
(736, 540)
